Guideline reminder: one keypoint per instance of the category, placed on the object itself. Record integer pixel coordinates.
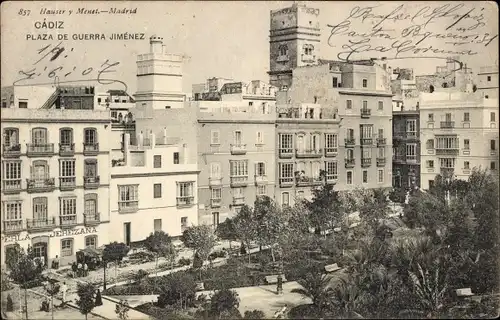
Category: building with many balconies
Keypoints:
(55, 160)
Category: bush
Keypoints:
(141, 256)
(254, 314)
(177, 289)
(184, 261)
(10, 304)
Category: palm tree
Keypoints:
(346, 298)
(315, 286)
(430, 286)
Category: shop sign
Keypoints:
(53, 234)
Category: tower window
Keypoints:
(283, 50)
(308, 49)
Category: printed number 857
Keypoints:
(23, 12)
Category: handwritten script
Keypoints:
(51, 66)
(410, 31)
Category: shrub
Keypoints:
(184, 261)
(140, 275)
(254, 314)
(10, 304)
(177, 289)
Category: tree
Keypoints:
(224, 304)
(246, 227)
(52, 290)
(201, 239)
(85, 300)
(113, 252)
(227, 231)
(160, 243)
(315, 286)
(177, 289)
(254, 314)
(122, 309)
(346, 298)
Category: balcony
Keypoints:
(66, 150)
(39, 150)
(238, 200)
(399, 158)
(214, 181)
(308, 153)
(349, 163)
(237, 149)
(447, 152)
(185, 202)
(366, 162)
(331, 178)
(381, 142)
(91, 219)
(68, 220)
(41, 224)
(447, 124)
(40, 185)
(411, 159)
(260, 180)
(286, 181)
(128, 206)
(446, 172)
(241, 181)
(12, 226)
(350, 142)
(331, 152)
(11, 186)
(366, 141)
(380, 162)
(67, 183)
(304, 181)
(215, 203)
(91, 182)
(411, 135)
(12, 151)
(365, 113)
(308, 58)
(286, 153)
(90, 149)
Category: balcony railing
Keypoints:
(331, 178)
(214, 181)
(380, 162)
(238, 200)
(331, 152)
(39, 150)
(91, 182)
(381, 142)
(66, 150)
(308, 153)
(350, 142)
(41, 224)
(447, 152)
(40, 185)
(366, 141)
(91, 219)
(365, 113)
(11, 186)
(12, 226)
(447, 124)
(128, 206)
(241, 181)
(90, 149)
(447, 171)
(215, 203)
(399, 158)
(366, 162)
(411, 159)
(185, 202)
(349, 163)
(308, 181)
(238, 149)
(68, 220)
(260, 179)
(11, 151)
(67, 183)
(286, 152)
(286, 181)
(411, 135)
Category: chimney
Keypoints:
(126, 150)
(185, 153)
(152, 139)
(140, 139)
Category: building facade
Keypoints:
(487, 81)
(55, 177)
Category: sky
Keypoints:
(229, 39)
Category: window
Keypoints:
(331, 142)
(466, 144)
(381, 152)
(237, 138)
(492, 145)
(215, 219)
(157, 190)
(283, 50)
(411, 152)
(431, 117)
(12, 175)
(260, 169)
(129, 198)
(66, 247)
(366, 153)
(366, 131)
(184, 222)
(466, 116)
(348, 104)
(350, 153)
(176, 157)
(365, 105)
(286, 172)
(430, 163)
(380, 174)
(335, 83)
(466, 165)
(39, 136)
(90, 169)
(261, 190)
(308, 49)
(260, 137)
(365, 176)
(239, 168)
(40, 208)
(411, 126)
(13, 213)
(492, 117)
(67, 210)
(381, 105)
(67, 168)
(23, 104)
(39, 171)
(488, 78)
(447, 162)
(10, 137)
(215, 137)
(300, 194)
(365, 83)
(90, 136)
(429, 144)
(381, 133)
(315, 143)
(66, 137)
(285, 199)
(157, 161)
(91, 241)
(444, 142)
(216, 193)
(90, 209)
(350, 134)
(349, 177)
(492, 165)
(185, 190)
(331, 170)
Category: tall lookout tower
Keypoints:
(294, 42)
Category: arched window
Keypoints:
(308, 49)
(91, 241)
(90, 209)
(90, 136)
(10, 137)
(130, 117)
(120, 117)
(301, 143)
(66, 136)
(283, 49)
(39, 136)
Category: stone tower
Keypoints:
(294, 42)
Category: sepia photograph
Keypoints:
(210, 160)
